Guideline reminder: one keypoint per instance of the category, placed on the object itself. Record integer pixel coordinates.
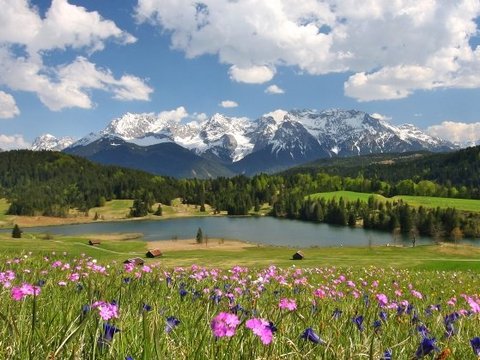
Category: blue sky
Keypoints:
(70, 67)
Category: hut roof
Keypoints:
(135, 260)
(93, 242)
(154, 253)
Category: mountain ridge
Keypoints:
(274, 141)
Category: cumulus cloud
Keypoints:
(381, 116)
(228, 104)
(8, 106)
(252, 74)
(392, 48)
(11, 142)
(274, 89)
(176, 115)
(26, 38)
(458, 132)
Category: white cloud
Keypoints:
(274, 89)
(392, 48)
(458, 132)
(65, 26)
(176, 115)
(252, 74)
(381, 117)
(228, 104)
(8, 106)
(11, 142)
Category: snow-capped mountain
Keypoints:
(275, 140)
(50, 142)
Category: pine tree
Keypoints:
(199, 236)
(16, 232)
(159, 211)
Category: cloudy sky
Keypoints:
(70, 67)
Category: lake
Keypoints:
(262, 230)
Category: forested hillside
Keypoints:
(455, 169)
(51, 183)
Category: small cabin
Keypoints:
(298, 256)
(154, 253)
(135, 261)
(93, 242)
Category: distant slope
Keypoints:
(166, 158)
(460, 168)
(470, 205)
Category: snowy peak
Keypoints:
(50, 142)
(295, 135)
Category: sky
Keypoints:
(69, 67)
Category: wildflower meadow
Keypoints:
(60, 307)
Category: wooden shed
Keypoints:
(298, 256)
(154, 253)
(135, 261)
(93, 242)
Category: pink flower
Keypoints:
(288, 304)
(320, 293)
(224, 324)
(106, 310)
(382, 299)
(18, 293)
(261, 328)
(417, 294)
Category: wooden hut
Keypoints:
(135, 261)
(93, 242)
(154, 253)
(298, 256)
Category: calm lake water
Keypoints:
(263, 230)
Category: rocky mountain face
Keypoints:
(272, 142)
(50, 142)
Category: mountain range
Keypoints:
(224, 146)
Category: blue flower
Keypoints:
(383, 315)
(426, 347)
(337, 313)
(377, 324)
(108, 331)
(387, 355)
(182, 292)
(272, 327)
(423, 330)
(310, 335)
(129, 358)
(146, 307)
(172, 322)
(475, 342)
(359, 322)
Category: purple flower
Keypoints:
(475, 342)
(426, 347)
(383, 316)
(337, 313)
(387, 355)
(359, 322)
(377, 324)
(172, 322)
(108, 331)
(423, 330)
(310, 335)
(146, 307)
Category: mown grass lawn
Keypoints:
(470, 205)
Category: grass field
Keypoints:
(425, 201)
(116, 247)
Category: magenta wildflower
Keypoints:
(224, 324)
(106, 310)
(382, 299)
(262, 328)
(288, 304)
(19, 293)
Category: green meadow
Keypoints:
(470, 205)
